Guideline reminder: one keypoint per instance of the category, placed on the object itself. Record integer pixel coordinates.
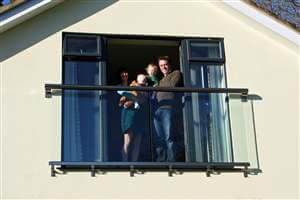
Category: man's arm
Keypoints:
(175, 78)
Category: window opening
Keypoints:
(91, 124)
(134, 55)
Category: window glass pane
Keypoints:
(207, 76)
(205, 50)
(207, 116)
(82, 45)
(81, 139)
(207, 128)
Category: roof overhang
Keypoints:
(267, 21)
(32, 8)
(24, 12)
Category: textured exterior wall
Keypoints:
(287, 10)
(256, 58)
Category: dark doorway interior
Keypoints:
(135, 55)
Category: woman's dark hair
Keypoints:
(121, 70)
(118, 75)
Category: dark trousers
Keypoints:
(165, 145)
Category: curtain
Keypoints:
(199, 114)
(220, 133)
(71, 128)
(81, 113)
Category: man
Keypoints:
(165, 116)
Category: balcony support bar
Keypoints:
(50, 87)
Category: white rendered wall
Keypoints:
(257, 58)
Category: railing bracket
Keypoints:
(131, 171)
(52, 171)
(48, 93)
(170, 172)
(93, 171)
(208, 171)
(246, 172)
(95, 168)
(244, 98)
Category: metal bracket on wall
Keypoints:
(48, 93)
(246, 172)
(93, 172)
(170, 172)
(140, 168)
(52, 171)
(131, 171)
(208, 171)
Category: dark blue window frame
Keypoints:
(99, 56)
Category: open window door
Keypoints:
(206, 116)
(83, 123)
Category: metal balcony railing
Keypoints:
(215, 129)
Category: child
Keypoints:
(152, 71)
(136, 96)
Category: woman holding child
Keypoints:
(130, 103)
(134, 117)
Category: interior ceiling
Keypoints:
(143, 42)
(135, 55)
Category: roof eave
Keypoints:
(266, 21)
(25, 12)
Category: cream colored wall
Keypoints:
(30, 56)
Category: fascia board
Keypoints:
(264, 20)
(25, 12)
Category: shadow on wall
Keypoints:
(42, 26)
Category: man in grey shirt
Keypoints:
(164, 117)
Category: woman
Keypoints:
(130, 103)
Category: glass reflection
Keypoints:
(205, 50)
(207, 118)
(81, 45)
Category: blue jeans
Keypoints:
(165, 146)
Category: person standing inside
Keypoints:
(131, 102)
(126, 119)
(166, 148)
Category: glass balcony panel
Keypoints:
(207, 128)
(95, 123)
(243, 130)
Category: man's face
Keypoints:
(164, 67)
